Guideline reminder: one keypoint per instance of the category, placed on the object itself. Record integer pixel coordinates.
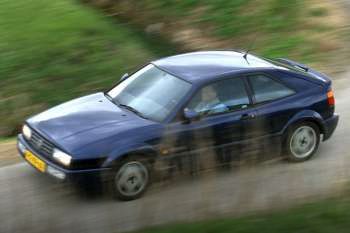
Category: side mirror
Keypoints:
(190, 115)
(125, 76)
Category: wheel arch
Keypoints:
(305, 116)
(131, 150)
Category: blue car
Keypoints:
(173, 111)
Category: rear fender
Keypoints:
(305, 115)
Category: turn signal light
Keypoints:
(330, 97)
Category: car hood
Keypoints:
(84, 120)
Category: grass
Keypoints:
(7, 139)
(323, 217)
(318, 12)
(278, 28)
(52, 51)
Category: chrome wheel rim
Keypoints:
(131, 179)
(303, 142)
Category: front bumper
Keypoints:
(329, 126)
(58, 172)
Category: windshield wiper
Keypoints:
(116, 102)
(133, 110)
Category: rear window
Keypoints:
(267, 89)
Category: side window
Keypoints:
(222, 96)
(266, 89)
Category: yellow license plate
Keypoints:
(35, 161)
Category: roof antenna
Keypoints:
(249, 49)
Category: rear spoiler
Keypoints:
(318, 75)
(293, 63)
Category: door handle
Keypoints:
(248, 116)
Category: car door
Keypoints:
(225, 113)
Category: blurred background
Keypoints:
(53, 51)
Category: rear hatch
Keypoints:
(319, 77)
(305, 69)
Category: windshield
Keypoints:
(151, 92)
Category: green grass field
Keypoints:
(52, 51)
(275, 27)
(323, 217)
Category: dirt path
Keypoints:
(8, 153)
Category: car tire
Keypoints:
(131, 178)
(302, 141)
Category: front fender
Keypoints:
(122, 151)
(305, 115)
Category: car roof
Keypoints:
(207, 65)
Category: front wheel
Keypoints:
(302, 141)
(131, 179)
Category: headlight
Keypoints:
(27, 132)
(62, 157)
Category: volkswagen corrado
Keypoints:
(177, 107)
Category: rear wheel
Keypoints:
(302, 141)
(131, 178)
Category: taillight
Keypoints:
(330, 98)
